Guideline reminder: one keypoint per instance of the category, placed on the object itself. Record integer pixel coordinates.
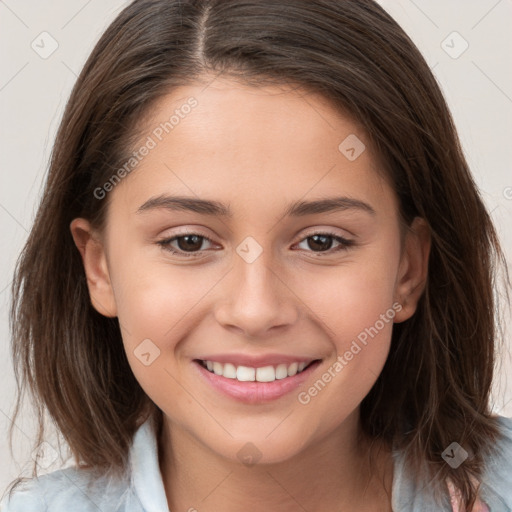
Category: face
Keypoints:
(255, 232)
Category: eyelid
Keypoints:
(326, 231)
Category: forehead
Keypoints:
(253, 144)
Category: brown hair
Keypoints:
(434, 388)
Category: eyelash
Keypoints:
(344, 244)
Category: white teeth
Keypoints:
(218, 368)
(245, 374)
(292, 369)
(229, 371)
(266, 374)
(248, 374)
(281, 371)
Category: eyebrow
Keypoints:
(216, 208)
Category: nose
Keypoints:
(256, 300)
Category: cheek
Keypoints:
(356, 307)
(354, 295)
(158, 301)
(154, 302)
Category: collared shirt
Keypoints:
(73, 489)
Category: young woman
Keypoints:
(261, 275)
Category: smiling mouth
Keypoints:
(268, 373)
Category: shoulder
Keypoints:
(90, 490)
(69, 489)
(497, 478)
(496, 482)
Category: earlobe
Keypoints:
(95, 265)
(413, 271)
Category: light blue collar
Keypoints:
(146, 477)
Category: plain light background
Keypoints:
(465, 42)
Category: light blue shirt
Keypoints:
(70, 489)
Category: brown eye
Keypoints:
(320, 242)
(188, 243)
(323, 242)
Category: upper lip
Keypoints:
(257, 361)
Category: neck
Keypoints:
(331, 474)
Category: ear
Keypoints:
(95, 266)
(413, 269)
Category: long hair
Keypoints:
(435, 385)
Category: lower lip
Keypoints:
(255, 392)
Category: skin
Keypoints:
(257, 150)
